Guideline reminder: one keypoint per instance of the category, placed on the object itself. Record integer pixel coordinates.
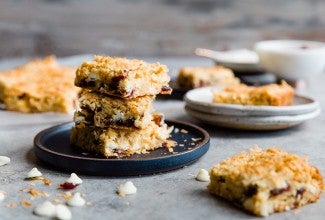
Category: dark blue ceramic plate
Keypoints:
(52, 146)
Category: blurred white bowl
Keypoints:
(291, 59)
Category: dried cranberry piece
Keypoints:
(277, 191)
(166, 90)
(301, 191)
(68, 185)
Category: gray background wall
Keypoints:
(151, 27)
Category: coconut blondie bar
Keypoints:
(25, 72)
(271, 94)
(194, 77)
(126, 78)
(266, 181)
(106, 111)
(112, 142)
(39, 86)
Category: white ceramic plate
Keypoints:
(252, 122)
(201, 100)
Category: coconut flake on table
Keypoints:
(33, 173)
(4, 160)
(76, 200)
(203, 176)
(126, 189)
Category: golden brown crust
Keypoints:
(122, 77)
(271, 94)
(266, 181)
(39, 86)
(194, 77)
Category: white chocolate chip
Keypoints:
(76, 200)
(2, 195)
(34, 173)
(4, 160)
(203, 176)
(45, 209)
(74, 179)
(63, 212)
(126, 189)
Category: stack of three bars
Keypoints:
(116, 117)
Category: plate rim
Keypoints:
(249, 110)
(39, 146)
(285, 121)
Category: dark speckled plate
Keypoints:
(52, 146)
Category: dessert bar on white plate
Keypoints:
(252, 122)
(201, 100)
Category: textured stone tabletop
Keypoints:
(172, 195)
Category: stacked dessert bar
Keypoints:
(116, 117)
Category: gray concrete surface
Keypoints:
(151, 27)
(172, 195)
